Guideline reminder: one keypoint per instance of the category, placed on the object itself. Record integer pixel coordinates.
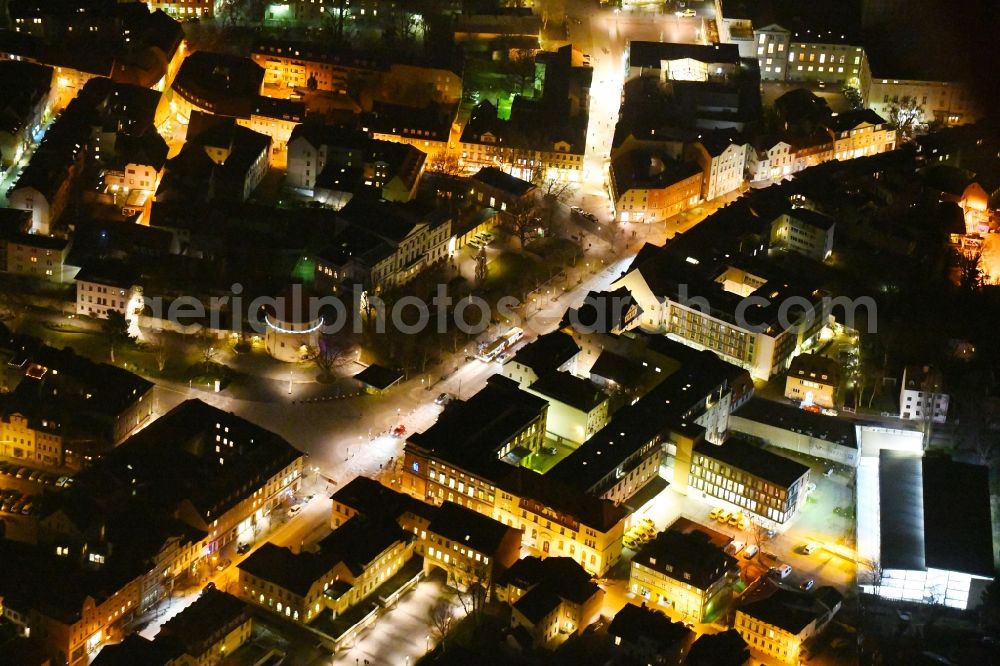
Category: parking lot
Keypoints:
(21, 486)
(832, 532)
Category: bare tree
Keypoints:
(873, 574)
(907, 117)
(476, 592)
(442, 619)
(158, 349)
(327, 356)
(520, 220)
(446, 163)
(207, 346)
(759, 532)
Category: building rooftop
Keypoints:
(811, 217)
(379, 377)
(173, 461)
(619, 369)
(370, 498)
(504, 182)
(470, 433)
(673, 405)
(691, 557)
(923, 378)
(649, 169)
(469, 527)
(635, 624)
(224, 84)
(651, 54)
(790, 417)
(723, 649)
(565, 503)
(538, 602)
(848, 120)
(562, 576)
(815, 368)
(547, 352)
(196, 628)
(786, 609)
(741, 454)
(569, 389)
(920, 528)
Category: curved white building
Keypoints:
(291, 330)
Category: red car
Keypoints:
(399, 431)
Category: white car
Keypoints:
(809, 548)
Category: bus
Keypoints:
(501, 344)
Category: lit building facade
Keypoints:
(753, 479)
(804, 231)
(945, 102)
(684, 572)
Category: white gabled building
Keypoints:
(922, 396)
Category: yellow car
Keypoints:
(735, 519)
(723, 517)
(715, 512)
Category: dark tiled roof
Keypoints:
(173, 460)
(504, 182)
(569, 389)
(723, 649)
(687, 553)
(848, 120)
(547, 352)
(562, 575)
(370, 498)
(789, 417)
(537, 603)
(639, 623)
(282, 567)
(786, 609)
(811, 217)
(468, 527)
(379, 377)
(623, 371)
(469, 433)
(741, 454)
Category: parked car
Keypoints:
(735, 519)
(723, 516)
(442, 399)
(714, 513)
(223, 564)
(550, 450)
(21, 473)
(809, 548)
(26, 509)
(750, 551)
(807, 585)
(295, 510)
(782, 571)
(34, 476)
(243, 548)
